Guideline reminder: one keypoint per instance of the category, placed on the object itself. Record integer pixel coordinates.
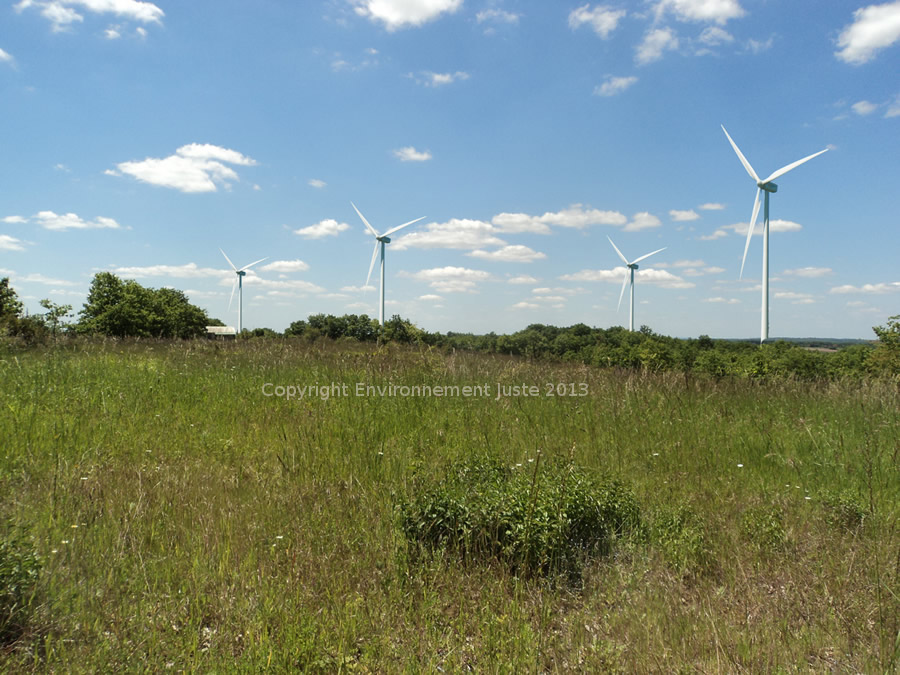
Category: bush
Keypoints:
(844, 510)
(680, 535)
(537, 518)
(19, 569)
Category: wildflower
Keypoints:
(740, 466)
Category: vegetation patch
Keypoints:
(763, 527)
(19, 569)
(844, 509)
(536, 517)
(680, 535)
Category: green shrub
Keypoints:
(844, 510)
(680, 535)
(19, 568)
(537, 518)
(763, 527)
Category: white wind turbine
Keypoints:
(380, 241)
(632, 266)
(766, 186)
(239, 284)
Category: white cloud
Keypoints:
(614, 85)
(728, 301)
(13, 219)
(810, 272)
(576, 216)
(512, 253)
(357, 289)
(522, 279)
(316, 183)
(285, 266)
(429, 79)
(875, 289)
(711, 206)
(602, 19)
(6, 57)
(456, 234)
(864, 108)
(497, 16)
(654, 44)
(525, 305)
(681, 216)
(659, 277)
(70, 221)
(777, 225)
(61, 14)
(714, 36)
(642, 221)
(396, 14)
(41, 279)
(113, 32)
(410, 154)
(715, 11)
(513, 223)
(796, 298)
(193, 168)
(874, 28)
(450, 279)
(430, 297)
(9, 243)
(759, 46)
(188, 271)
(893, 108)
(324, 228)
(718, 234)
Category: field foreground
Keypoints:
(187, 517)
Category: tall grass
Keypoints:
(187, 521)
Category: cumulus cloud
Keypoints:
(450, 279)
(614, 85)
(713, 36)
(526, 305)
(893, 108)
(777, 225)
(193, 168)
(864, 108)
(522, 279)
(457, 233)
(873, 289)
(316, 183)
(10, 243)
(659, 277)
(809, 272)
(430, 297)
(713, 11)
(656, 42)
(718, 234)
(642, 221)
(682, 216)
(187, 271)
(602, 19)
(62, 13)
(285, 266)
(70, 221)
(395, 14)
(410, 154)
(6, 57)
(727, 301)
(576, 216)
(874, 28)
(13, 220)
(430, 79)
(324, 228)
(496, 16)
(711, 206)
(513, 253)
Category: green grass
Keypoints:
(184, 520)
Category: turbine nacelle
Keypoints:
(384, 240)
(768, 187)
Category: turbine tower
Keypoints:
(380, 241)
(768, 187)
(632, 266)
(239, 283)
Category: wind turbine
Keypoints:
(766, 186)
(239, 283)
(380, 241)
(632, 266)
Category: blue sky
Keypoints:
(140, 137)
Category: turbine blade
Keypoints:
(750, 231)
(624, 259)
(783, 170)
(247, 267)
(644, 257)
(365, 222)
(624, 284)
(372, 264)
(231, 299)
(742, 158)
(400, 227)
(229, 261)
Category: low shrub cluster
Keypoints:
(536, 517)
(19, 569)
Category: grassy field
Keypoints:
(185, 520)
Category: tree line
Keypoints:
(125, 308)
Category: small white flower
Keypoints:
(740, 466)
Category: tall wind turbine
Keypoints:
(632, 266)
(766, 186)
(380, 241)
(239, 284)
